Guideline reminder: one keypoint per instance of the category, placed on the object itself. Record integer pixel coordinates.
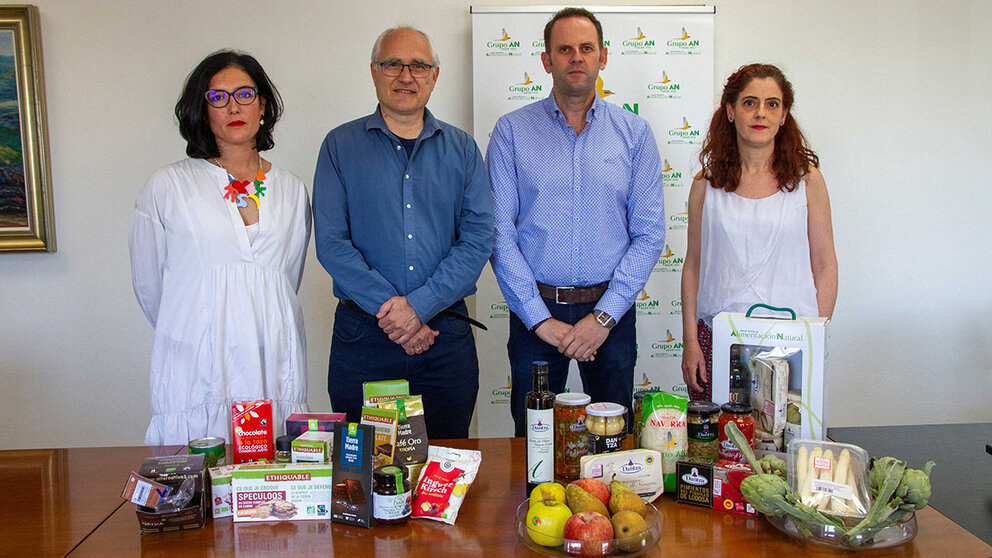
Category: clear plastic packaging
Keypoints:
(830, 477)
(770, 370)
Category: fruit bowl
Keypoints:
(589, 548)
(896, 534)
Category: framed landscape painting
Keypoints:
(27, 222)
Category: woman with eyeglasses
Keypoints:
(218, 242)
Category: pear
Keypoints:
(630, 529)
(623, 498)
(579, 501)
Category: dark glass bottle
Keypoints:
(540, 430)
(740, 378)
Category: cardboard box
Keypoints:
(373, 392)
(808, 337)
(709, 483)
(313, 446)
(351, 498)
(277, 491)
(298, 423)
(220, 490)
(172, 471)
(251, 437)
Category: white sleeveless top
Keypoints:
(754, 250)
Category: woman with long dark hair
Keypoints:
(218, 243)
(759, 218)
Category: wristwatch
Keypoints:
(604, 319)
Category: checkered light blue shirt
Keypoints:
(574, 210)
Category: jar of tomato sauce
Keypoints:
(739, 413)
(571, 441)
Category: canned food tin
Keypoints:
(211, 448)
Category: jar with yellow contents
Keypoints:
(607, 427)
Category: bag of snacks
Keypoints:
(444, 483)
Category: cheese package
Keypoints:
(281, 491)
(313, 446)
(639, 469)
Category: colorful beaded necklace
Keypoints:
(237, 190)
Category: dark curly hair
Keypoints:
(720, 157)
(191, 109)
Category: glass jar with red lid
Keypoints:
(739, 413)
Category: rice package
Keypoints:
(444, 483)
(664, 430)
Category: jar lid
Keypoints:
(285, 443)
(393, 475)
(736, 408)
(572, 398)
(640, 395)
(605, 409)
(703, 408)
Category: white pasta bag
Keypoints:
(770, 391)
(665, 431)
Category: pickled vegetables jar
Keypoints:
(739, 413)
(703, 429)
(571, 440)
(607, 426)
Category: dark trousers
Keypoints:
(608, 378)
(446, 375)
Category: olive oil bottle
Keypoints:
(540, 429)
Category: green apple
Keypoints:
(548, 491)
(546, 522)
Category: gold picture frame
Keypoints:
(27, 220)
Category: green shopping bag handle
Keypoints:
(773, 309)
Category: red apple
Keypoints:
(595, 487)
(588, 534)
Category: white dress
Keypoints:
(228, 323)
(755, 250)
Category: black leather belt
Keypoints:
(573, 295)
(352, 305)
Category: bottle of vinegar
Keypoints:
(540, 430)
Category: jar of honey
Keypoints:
(571, 441)
(740, 414)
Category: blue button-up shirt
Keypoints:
(390, 225)
(574, 210)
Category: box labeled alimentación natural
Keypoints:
(803, 342)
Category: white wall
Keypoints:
(893, 96)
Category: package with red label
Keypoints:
(251, 423)
(444, 483)
(713, 484)
(298, 423)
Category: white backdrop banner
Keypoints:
(659, 66)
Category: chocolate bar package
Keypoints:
(351, 491)
(384, 421)
(373, 392)
(298, 423)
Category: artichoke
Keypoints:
(913, 490)
(757, 488)
(773, 465)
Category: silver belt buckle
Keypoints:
(558, 290)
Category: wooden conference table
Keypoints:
(54, 502)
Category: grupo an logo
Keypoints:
(665, 88)
(679, 221)
(645, 305)
(670, 177)
(504, 45)
(499, 310)
(601, 89)
(501, 395)
(645, 382)
(684, 134)
(638, 44)
(537, 47)
(682, 45)
(669, 347)
(675, 307)
(525, 90)
(669, 262)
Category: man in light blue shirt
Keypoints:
(403, 223)
(579, 212)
